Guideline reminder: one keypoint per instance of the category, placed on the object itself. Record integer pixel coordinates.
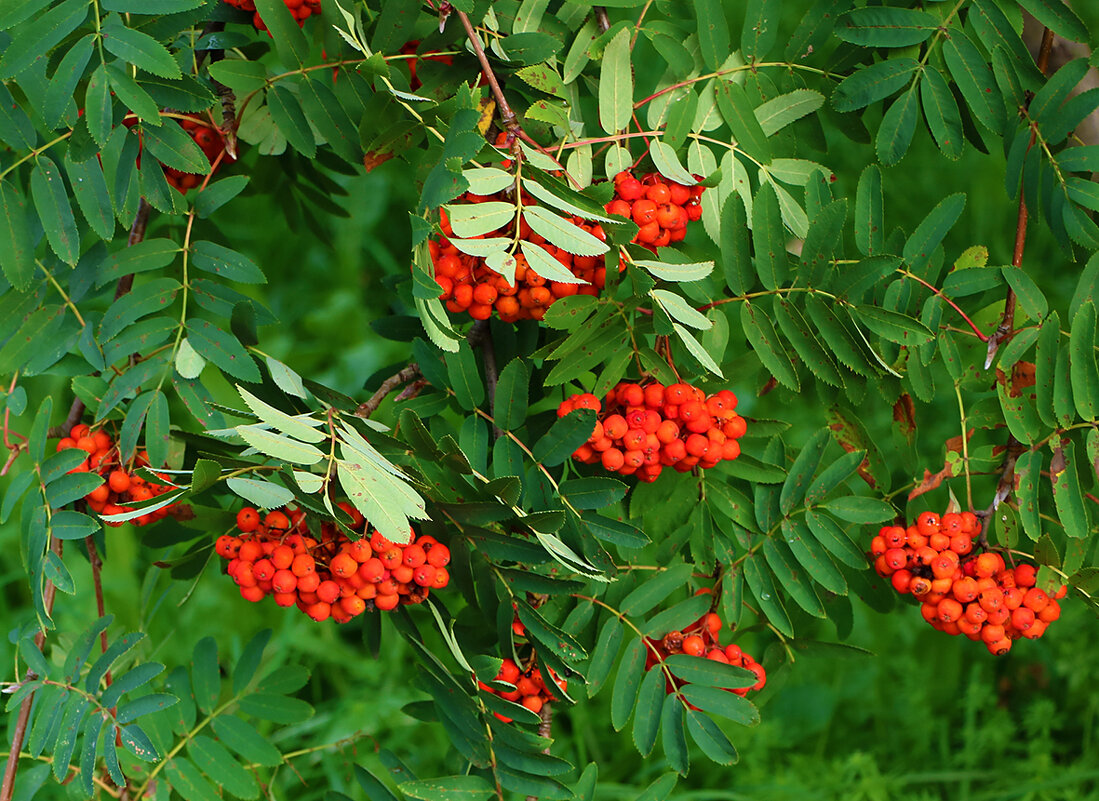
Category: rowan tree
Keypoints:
(658, 379)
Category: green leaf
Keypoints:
(245, 740)
(763, 588)
(898, 126)
(765, 342)
(59, 95)
(115, 650)
(510, 409)
(562, 232)
(145, 705)
(721, 702)
(288, 116)
(769, 238)
(143, 299)
(595, 492)
(695, 348)
(1067, 494)
(894, 326)
(290, 42)
(873, 83)
(646, 718)
(223, 349)
(51, 199)
(187, 780)
(277, 708)
(677, 272)
(808, 348)
(616, 84)
(214, 760)
(802, 470)
(1084, 372)
(16, 251)
(777, 113)
(711, 739)
(465, 377)
(760, 30)
(940, 109)
(655, 590)
(604, 654)
(325, 112)
(1058, 17)
(708, 672)
(931, 231)
(141, 50)
(856, 509)
(975, 80)
(279, 446)
(40, 36)
(27, 341)
(173, 147)
(886, 27)
(220, 260)
(448, 788)
(672, 737)
(737, 110)
(627, 683)
(791, 577)
(808, 551)
(263, 494)
(564, 437)
(713, 32)
(739, 271)
(90, 189)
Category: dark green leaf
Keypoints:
(627, 683)
(51, 199)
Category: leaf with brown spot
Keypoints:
(851, 435)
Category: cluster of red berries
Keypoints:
(661, 208)
(332, 576)
(530, 686)
(469, 285)
(644, 428)
(121, 486)
(301, 9)
(959, 590)
(207, 137)
(700, 639)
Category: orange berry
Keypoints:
(247, 519)
(693, 645)
(928, 523)
(1036, 599)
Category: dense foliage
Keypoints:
(562, 365)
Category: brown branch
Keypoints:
(215, 55)
(545, 729)
(7, 788)
(488, 354)
(507, 116)
(97, 581)
(76, 411)
(137, 234)
(1004, 487)
(601, 19)
(1006, 329)
(369, 406)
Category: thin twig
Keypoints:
(7, 789)
(369, 406)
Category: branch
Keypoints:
(215, 55)
(545, 729)
(1004, 487)
(7, 788)
(507, 116)
(601, 19)
(488, 354)
(137, 234)
(1006, 329)
(369, 406)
